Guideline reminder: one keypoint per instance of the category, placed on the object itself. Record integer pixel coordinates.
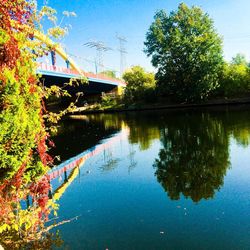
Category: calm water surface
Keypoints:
(157, 180)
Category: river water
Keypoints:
(156, 180)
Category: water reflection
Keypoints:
(194, 158)
(24, 211)
(77, 135)
(144, 129)
(132, 161)
(110, 162)
(195, 155)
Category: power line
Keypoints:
(100, 48)
(91, 62)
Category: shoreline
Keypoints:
(211, 103)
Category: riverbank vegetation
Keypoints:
(24, 131)
(140, 85)
(187, 53)
(235, 78)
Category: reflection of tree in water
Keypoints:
(143, 128)
(195, 156)
(48, 242)
(110, 121)
(242, 136)
(240, 128)
(24, 228)
(144, 135)
(237, 123)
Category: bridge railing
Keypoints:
(103, 77)
(47, 67)
(82, 157)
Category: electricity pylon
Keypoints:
(100, 48)
(123, 52)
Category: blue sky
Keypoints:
(100, 20)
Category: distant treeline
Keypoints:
(187, 53)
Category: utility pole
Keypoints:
(100, 48)
(123, 52)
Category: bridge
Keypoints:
(97, 83)
(54, 75)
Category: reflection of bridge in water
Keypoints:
(70, 168)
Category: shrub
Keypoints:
(235, 80)
(140, 85)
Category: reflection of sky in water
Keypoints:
(121, 205)
(240, 160)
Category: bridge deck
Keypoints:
(49, 70)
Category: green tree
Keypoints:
(239, 59)
(235, 78)
(109, 73)
(187, 51)
(140, 84)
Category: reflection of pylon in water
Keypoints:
(131, 157)
(110, 162)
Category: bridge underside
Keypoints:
(89, 89)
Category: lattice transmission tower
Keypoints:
(122, 49)
(100, 48)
